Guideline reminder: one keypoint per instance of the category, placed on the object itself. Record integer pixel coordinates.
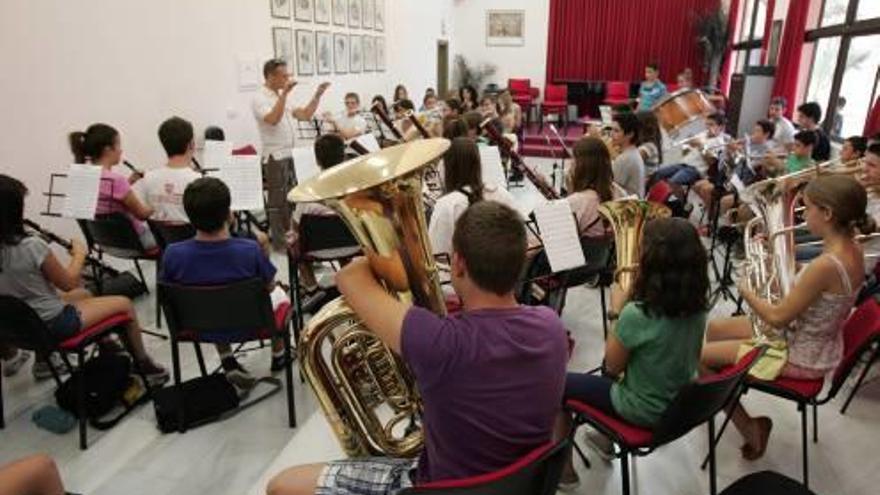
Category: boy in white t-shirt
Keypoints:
(162, 188)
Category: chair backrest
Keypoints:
(21, 327)
(247, 149)
(659, 192)
(170, 232)
(519, 86)
(699, 401)
(233, 308)
(324, 232)
(537, 473)
(860, 332)
(617, 89)
(556, 93)
(114, 234)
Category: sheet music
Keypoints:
(244, 177)
(493, 170)
(305, 162)
(217, 154)
(605, 112)
(83, 185)
(559, 234)
(369, 142)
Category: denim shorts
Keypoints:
(67, 324)
(681, 174)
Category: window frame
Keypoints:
(744, 48)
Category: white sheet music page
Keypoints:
(493, 171)
(244, 177)
(83, 184)
(559, 234)
(369, 142)
(305, 162)
(216, 154)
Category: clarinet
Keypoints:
(358, 148)
(50, 236)
(377, 109)
(418, 125)
(131, 167)
(198, 166)
(515, 160)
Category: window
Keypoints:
(824, 60)
(834, 12)
(859, 77)
(751, 34)
(868, 9)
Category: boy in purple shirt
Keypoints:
(491, 377)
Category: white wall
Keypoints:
(64, 65)
(527, 61)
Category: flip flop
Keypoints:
(751, 453)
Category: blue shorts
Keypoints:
(67, 324)
(594, 390)
(680, 174)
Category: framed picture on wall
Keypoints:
(379, 23)
(357, 54)
(282, 45)
(773, 47)
(324, 49)
(340, 53)
(368, 13)
(340, 12)
(322, 11)
(280, 8)
(369, 54)
(305, 52)
(380, 54)
(303, 10)
(354, 13)
(505, 27)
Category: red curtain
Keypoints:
(609, 40)
(728, 56)
(789, 60)
(872, 123)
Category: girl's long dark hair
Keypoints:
(12, 193)
(650, 132)
(462, 169)
(592, 168)
(673, 278)
(90, 145)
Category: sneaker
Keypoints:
(13, 364)
(42, 371)
(238, 376)
(156, 375)
(279, 363)
(600, 444)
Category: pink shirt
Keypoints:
(113, 190)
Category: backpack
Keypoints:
(206, 399)
(109, 385)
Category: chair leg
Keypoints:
(714, 442)
(175, 364)
(200, 358)
(604, 312)
(862, 375)
(624, 472)
(81, 399)
(803, 409)
(141, 275)
(2, 413)
(815, 423)
(288, 376)
(713, 481)
(158, 306)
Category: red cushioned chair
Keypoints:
(617, 93)
(523, 95)
(695, 404)
(21, 327)
(861, 335)
(555, 102)
(535, 474)
(223, 314)
(671, 88)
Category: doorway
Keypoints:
(442, 68)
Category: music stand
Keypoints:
(566, 153)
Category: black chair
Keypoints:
(537, 473)
(167, 233)
(21, 327)
(320, 239)
(695, 404)
(766, 483)
(233, 313)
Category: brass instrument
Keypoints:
(359, 382)
(628, 218)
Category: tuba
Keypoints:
(628, 218)
(365, 390)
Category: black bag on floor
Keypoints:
(206, 399)
(120, 284)
(108, 378)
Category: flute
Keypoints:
(377, 109)
(50, 236)
(504, 145)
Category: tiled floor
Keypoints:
(237, 456)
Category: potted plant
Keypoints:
(712, 37)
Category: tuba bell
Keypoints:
(628, 218)
(365, 390)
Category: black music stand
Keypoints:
(566, 154)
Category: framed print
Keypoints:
(354, 13)
(324, 49)
(356, 47)
(379, 23)
(322, 11)
(368, 12)
(280, 8)
(340, 53)
(282, 44)
(380, 54)
(369, 54)
(505, 28)
(302, 10)
(305, 52)
(340, 12)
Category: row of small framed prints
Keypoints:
(366, 14)
(323, 52)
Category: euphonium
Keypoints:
(628, 218)
(366, 392)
